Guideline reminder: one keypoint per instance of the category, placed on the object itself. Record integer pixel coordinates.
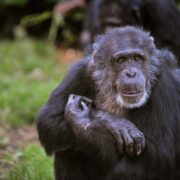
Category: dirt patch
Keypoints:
(11, 140)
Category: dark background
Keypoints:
(35, 18)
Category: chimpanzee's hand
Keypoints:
(77, 107)
(77, 112)
(129, 138)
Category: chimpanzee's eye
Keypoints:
(120, 59)
(136, 58)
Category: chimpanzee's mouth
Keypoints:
(133, 94)
(111, 22)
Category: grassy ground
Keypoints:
(34, 165)
(29, 71)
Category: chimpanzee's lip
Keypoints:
(134, 94)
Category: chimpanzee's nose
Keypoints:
(131, 72)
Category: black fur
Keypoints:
(159, 120)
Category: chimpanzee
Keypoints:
(160, 17)
(91, 120)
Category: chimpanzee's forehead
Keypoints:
(133, 40)
(123, 38)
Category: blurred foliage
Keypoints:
(29, 71)
(33, 165)
(36, 18)
(23, 2)
(13, 2)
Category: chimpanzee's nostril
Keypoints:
(131, 73)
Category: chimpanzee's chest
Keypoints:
(108, 104)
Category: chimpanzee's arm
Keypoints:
(107, 135)
(52, 129)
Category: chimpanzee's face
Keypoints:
(110, 14)
(116, 13)
(130, 67)
(125, 65)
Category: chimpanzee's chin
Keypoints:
(131, 101)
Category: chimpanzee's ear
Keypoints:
(95, 50)
(168, 58)
(97, 56)
(96, 46)
(99, 52)
(97, 42)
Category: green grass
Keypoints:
(29, 71)
(33, 165)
